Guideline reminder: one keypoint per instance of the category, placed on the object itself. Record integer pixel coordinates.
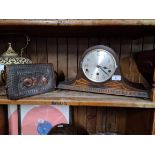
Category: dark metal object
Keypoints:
(67, 129)
(28, 80)
(117, 84)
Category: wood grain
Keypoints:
(82, 118)
(74, 22)
(32, 50)
(121, 120)
(72, 58)
(91, 111)
(136, 47)
(75, 117)
(82, 46)
(100, 124)
(41, 50)
(2, 46)
(72, 67)
(104, 41)
(125, 58)
(3, 108)
(138, 121)
(81, 99)
(3, 120)
(52, 52)
(115, 44)
(111, 124)
(62, 58)
(20, 42)
(111, 120)
(152, 93)
(152, 122)
(82, 111)
(148, 43)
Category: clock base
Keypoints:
(110, 87)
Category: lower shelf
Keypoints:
(74, 98)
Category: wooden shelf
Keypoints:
(74, 22)
(62, 42)
(81, 99)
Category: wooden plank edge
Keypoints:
(47, 101)
(75, 22)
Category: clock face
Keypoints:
(98, 65)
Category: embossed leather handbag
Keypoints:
(25, 80)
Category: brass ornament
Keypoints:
(11, 57)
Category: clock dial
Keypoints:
(98, 65)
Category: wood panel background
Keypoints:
(65, 53)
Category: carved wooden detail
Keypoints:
(110, 87)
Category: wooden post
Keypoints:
(153, 88)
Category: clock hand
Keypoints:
(102, 69)
(105, 67)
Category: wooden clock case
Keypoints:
(112, 86)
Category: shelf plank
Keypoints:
(74, 22)
(74, 98)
